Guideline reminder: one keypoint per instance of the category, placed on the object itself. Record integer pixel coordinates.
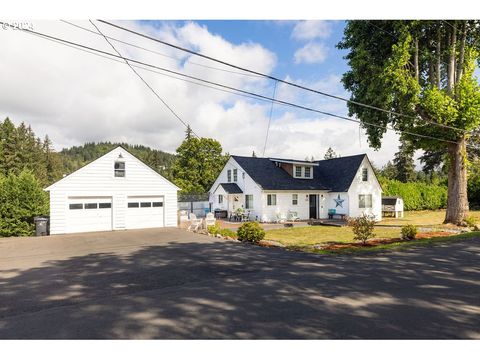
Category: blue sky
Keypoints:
(109, 103)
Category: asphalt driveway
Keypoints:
(167, 283)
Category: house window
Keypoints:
(220, 198)
(119, 168)
(298, 171)
(105, 205)
(364, 174)
(294, 199)
(157, 204)
(248, 201)
(91, 206)
(133, 205)
(235, 175)
(75, 206)
(308, 171)
(365, 201)
(229, 175)
(271, 199)
(145, 204)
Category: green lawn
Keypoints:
(304, 236)
(423, 218)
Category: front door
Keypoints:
(312, 199)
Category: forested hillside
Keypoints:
(77, 156)
(21, 149)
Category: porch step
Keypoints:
(323, 222)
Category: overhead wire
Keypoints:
(145, 82)
(255, 95)
(302, 87)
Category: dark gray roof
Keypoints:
(231, 188)
(334, 174)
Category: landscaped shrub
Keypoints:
(416, 195)
(362, 227)
(21, 199)
(250, 231)
(409, 232)
(471, 221)
(216, 230)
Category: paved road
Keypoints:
(167, 283)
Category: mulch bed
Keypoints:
(383, 241)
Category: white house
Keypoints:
(270, 189)
(114, 192)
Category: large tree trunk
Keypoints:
(457, 202)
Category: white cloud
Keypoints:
(75, 97)
(312, 29)
(311, 53)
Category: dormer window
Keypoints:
(303, 172)
(119, 167)
(308, 171)
(298, 171)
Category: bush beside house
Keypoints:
(416, 195)
(21, 199)
(251, 232)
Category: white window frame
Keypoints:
(220, 198)
(235, 175)
(295, 171)
(294, 199)
(249, 203)
(365, 202)
(229, 175)
(364, 174)
(116, 171)
(270, 198)
(305, 172)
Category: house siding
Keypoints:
(268, 213)
(365, 187)
(97, 179)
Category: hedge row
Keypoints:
(416, 195)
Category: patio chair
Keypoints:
(293, 216)
(246, 217)
(281, 218)
(194, 222)
(209, 220)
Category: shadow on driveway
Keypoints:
(222, 290)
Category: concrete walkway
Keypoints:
(167, 283)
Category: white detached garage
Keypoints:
(115, 192)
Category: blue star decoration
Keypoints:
(338, 201)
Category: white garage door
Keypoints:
(144, 212)
(89, 214)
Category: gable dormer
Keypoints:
(296, 169)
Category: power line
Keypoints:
(270, 118)
(144, 81)
(159, 53)
(259, 96)
(278, 79)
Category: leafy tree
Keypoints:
(422, 71)
(21, 198)
(404, 163)
(388, 171)
(330, 154)
(198, 163)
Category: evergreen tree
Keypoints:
(330, 154)
(404, 162)
(253, 154)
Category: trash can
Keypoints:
(41, 225)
